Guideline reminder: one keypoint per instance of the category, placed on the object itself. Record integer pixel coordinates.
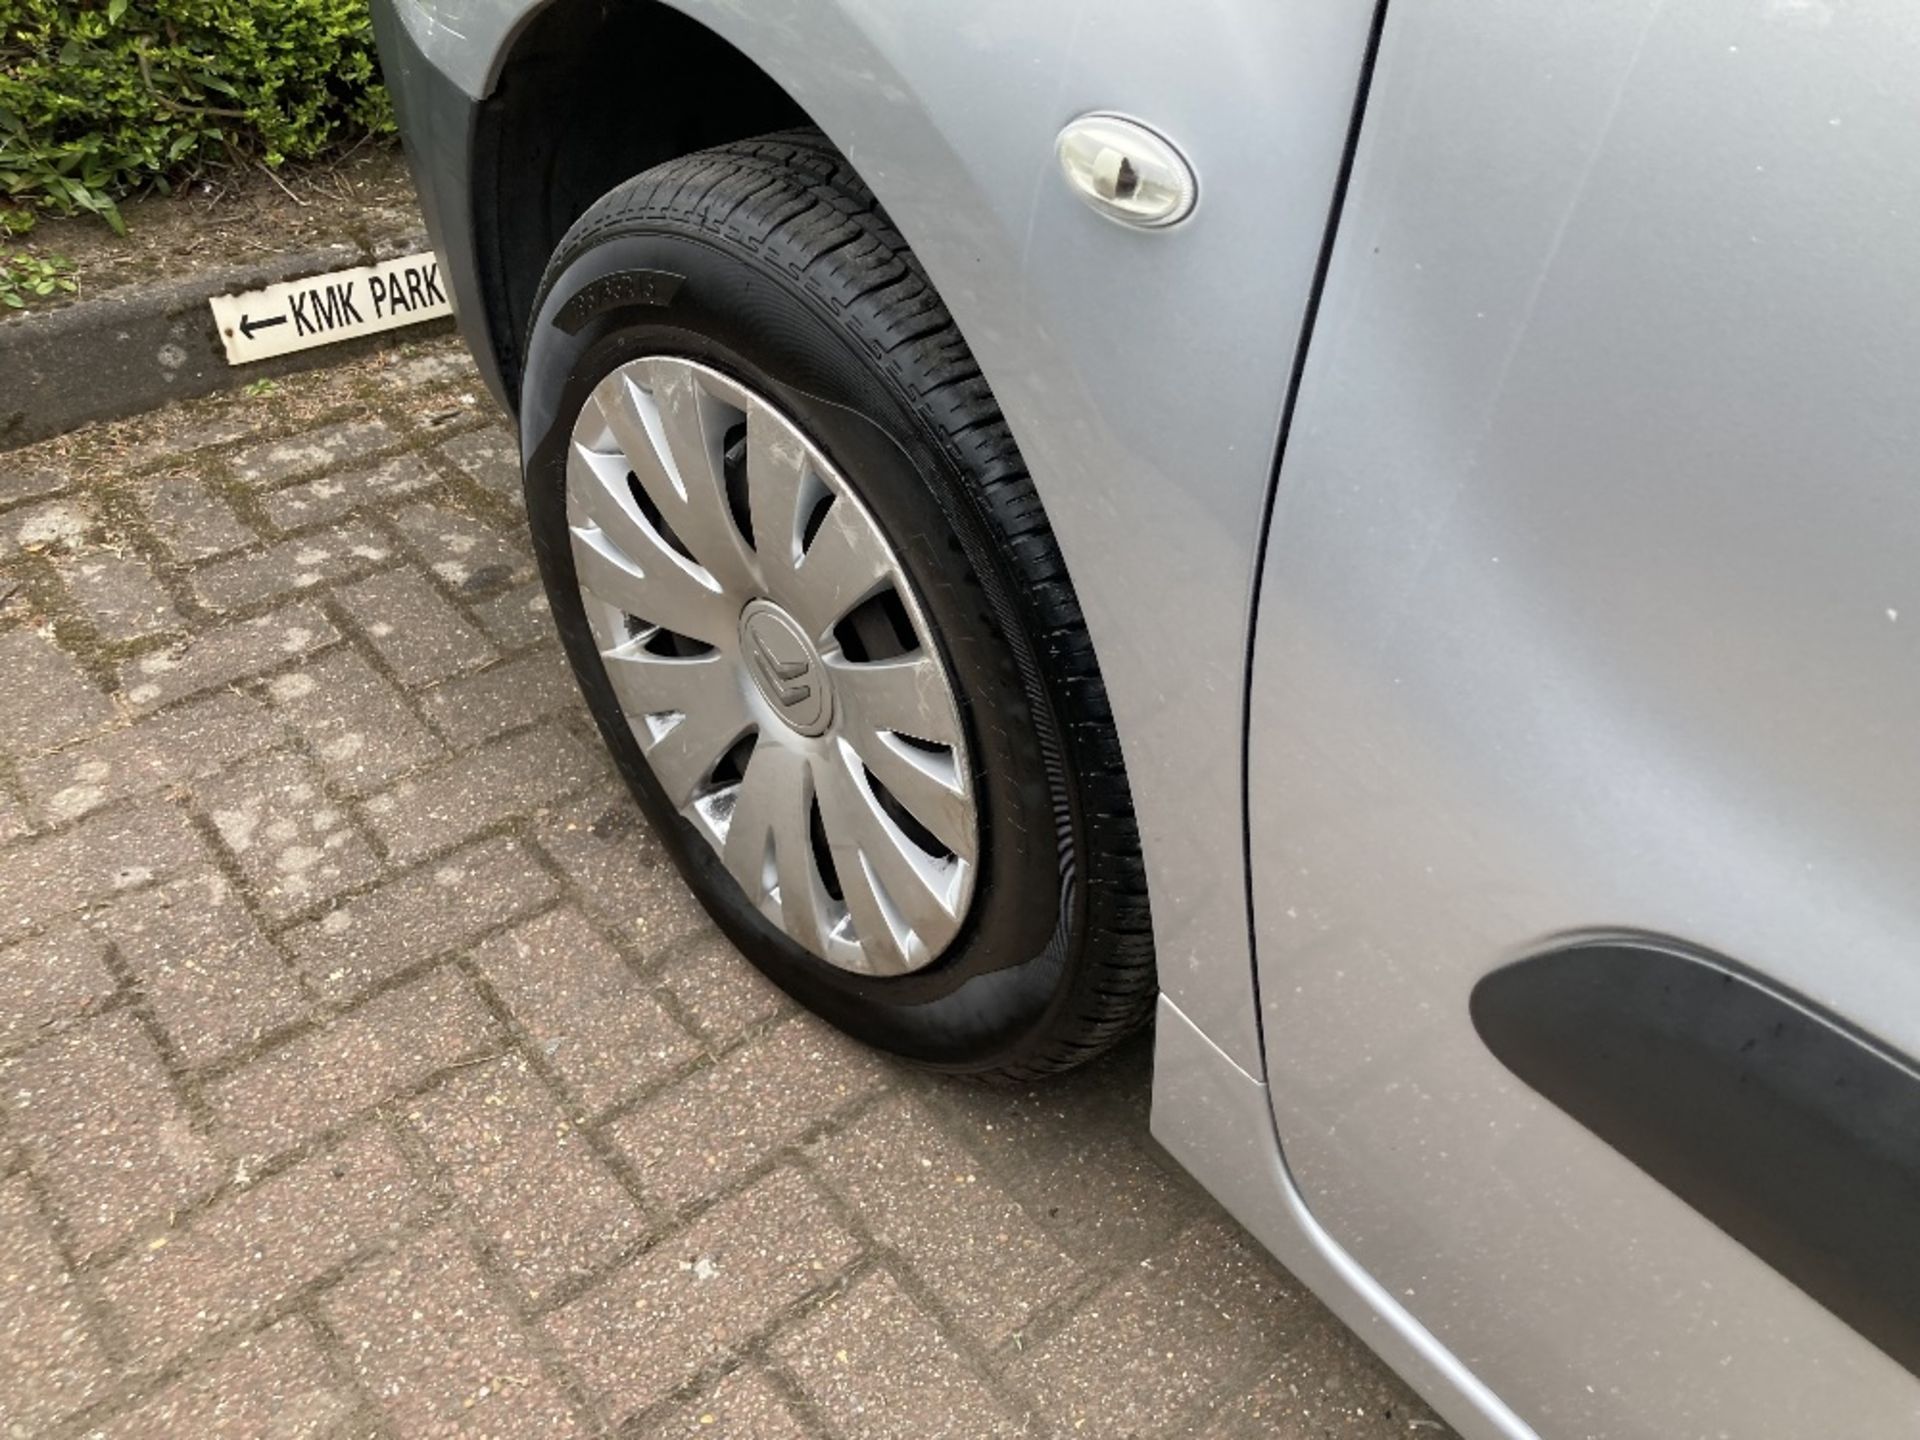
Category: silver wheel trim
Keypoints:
(747, 624)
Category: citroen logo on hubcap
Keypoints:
(785, 667)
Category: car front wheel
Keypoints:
(811, 597)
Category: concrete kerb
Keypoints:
(139, 347)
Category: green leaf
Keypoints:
(102, 98)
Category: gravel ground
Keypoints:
(365, 1069)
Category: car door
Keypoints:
(1589, 612)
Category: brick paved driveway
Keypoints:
(365, 1069)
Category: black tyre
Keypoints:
(751, 314)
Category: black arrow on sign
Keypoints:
(247, 327)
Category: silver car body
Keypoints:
(1588, 603)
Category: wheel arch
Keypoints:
(576, 103)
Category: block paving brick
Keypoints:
(447, 903)
(470, 1122)
(703, 1292)
(692, 1140)
(354, 721)
(422, 637)
(466, 554)
(187, 433)
(439, 1353)
(490, 457)
(277, 1383)
(724, 996)
(517, 618)
(298, 564)
(253, 1250)
(331, 496)
(1163, 1340)
(969, 1241)
(1074, 1153)
(190, 520)
(217, 658)
(120, 596)
(389, 1045)
(503, 697)
(507, 1149)
(517, 775)
(275, 461)
(743, 1405)
(13, 818)
(613, 860)
(212, 977)
(1326, 1385)
(591, 1018)
(432, 367)
(54, 976)
(105, 1130)
(52, 1360)
(46, 876)
(49, 700)
(199, 738)
(295, 844)
(873, 1357)
(56, 528)
(25, 476)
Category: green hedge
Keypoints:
(100, 98)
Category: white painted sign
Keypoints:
(298, 314)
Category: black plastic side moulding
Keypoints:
(1792, 1132)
